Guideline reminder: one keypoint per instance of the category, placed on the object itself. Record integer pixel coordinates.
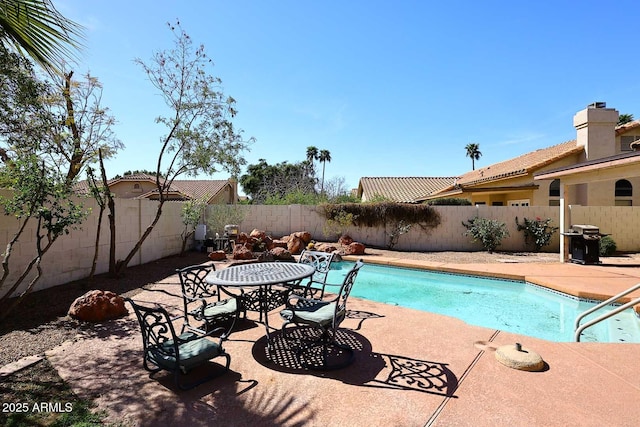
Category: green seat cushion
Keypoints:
(192, 353)
(218, 309)
(320, 313)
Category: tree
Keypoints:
(263, 180)
(624, 118)
(312, 156)
(201, 137)
(323, 157)
(473, 151)
(35, 28)
(191, 214)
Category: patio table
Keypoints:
(261, 275)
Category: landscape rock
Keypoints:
(354, 248)
(217, 255)
(281, 254)
(345, 240)
(295, 245)
(241, 252)
(98, 306)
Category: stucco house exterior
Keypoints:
(512, 183)
(143, 186)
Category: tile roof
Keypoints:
(620, 129)
(403, 189)
(191, 188)
(520, 165)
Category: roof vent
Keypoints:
(597, 105)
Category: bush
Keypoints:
(607, 246)
(489, 232)
(537, 232)
(451, 201)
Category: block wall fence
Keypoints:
(71, 256)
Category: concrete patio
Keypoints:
(412, 368)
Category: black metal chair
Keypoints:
(321, 261)
(204, 303)
(164, 349)
(324, 316)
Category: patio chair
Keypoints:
(163, 349)
(324, 316)
(204, 303)
(322, 263)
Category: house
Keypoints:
(512, 183)
(143, 186)
(400, 189)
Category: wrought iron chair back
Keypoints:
(321, 261)
(324, 315)
(203, 302)
(164, 349)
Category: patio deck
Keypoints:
(411, 369)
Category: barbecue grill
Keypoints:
(584, 243)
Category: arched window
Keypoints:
(624, 188)
(554, 188)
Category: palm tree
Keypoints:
(473, 151)
(312, 155)
(323, 157)
(36, 29)
(625, 118)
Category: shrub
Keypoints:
(489, 232)
(537, 232)
(451, 201)
(607, 246)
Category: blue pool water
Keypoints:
(510, 306)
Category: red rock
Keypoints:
(295, 245)
(345, 240)
(279, 244)
(325, 247)
(305, 236)
(258, 234)
(97, 306)
(281, 254)
(354, 248)
(242, 252)
(217, 256)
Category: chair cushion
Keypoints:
(320, 313)
(192, 353)
(217, 309)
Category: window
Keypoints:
(137, 188)
(554, 202)
(623, 188)
(554, 188)
(497, 204)
(524, 202)
(625, 142)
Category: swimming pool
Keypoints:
(512, 306)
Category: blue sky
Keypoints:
(389, 88)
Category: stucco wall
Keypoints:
(71, 256)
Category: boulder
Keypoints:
(325, 247)
(217, 255)
(265, 256)
(258, 234)
(345, 240)
(279, 244)
(281, 254)
(354, 248)
(242, 252)
(295, 245)
(97, 306)
(305, 236)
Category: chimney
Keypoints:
(595, 129)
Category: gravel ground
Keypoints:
(40, 322)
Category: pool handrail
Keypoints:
(579, 329)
